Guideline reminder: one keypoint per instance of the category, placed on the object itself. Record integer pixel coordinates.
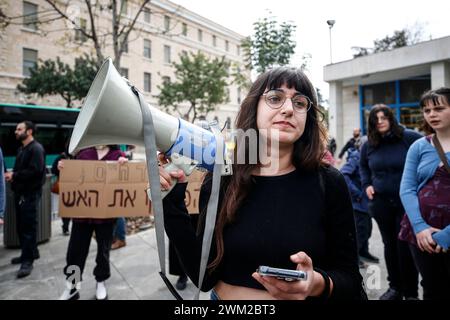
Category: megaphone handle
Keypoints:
(169, 167)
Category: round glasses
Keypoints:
(275, 99)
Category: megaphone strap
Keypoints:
(153, 176)
(155, 190)
(211, 212)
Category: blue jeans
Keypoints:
(213, 295)
(120, 230)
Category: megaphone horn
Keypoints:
(111, 114)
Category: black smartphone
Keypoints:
(283, 274)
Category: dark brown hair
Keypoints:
(434, 97)
(29, 126)
(308, 149)
(374, 136)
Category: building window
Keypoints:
(411, 117)
(123, 45)
(30, 15)
(166, 80)
(238, 50)
(379, 93)
(124, 7)
(402, 96)
(166, 23)
(214, 40)
(30, 57)
(227, 45)
(79, 35)
(147, 16)
(147, 49)
(124, 72)
(239, 95)
(167, 54)
(412, 89)
(147, 82)
(200, 35)
(184, 29)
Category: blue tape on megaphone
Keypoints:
(195, 143)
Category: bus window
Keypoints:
(53, 128)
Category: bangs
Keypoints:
(432, 98)
(292, 78)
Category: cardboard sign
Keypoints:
(105, 189)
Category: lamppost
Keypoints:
(331, 24)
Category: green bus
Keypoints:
(54, 127)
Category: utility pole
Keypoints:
(330, 25)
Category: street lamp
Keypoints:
(331, 24)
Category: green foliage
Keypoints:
(52, 77)
(271, 45)
(400, 38)
(397, 40)
(200, 81)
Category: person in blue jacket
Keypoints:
(381, 167)
(363, 221)
(425, 193)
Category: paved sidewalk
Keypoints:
(134, 271)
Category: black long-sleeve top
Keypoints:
(29, 168)
(382, 166)
(282, 215)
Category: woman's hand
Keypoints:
(295, 290)
(60, 165)
(425, 240)
(122, 160)
(370, 191)
(439, 249)
(165, 178)
(8, 176)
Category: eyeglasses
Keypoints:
(275, 99)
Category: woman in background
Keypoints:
(425, 193)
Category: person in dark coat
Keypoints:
(381, 167)
(363, 221)
(27, 179)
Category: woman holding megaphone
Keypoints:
(288, 210)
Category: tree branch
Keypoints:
(94, 37)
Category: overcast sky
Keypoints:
(358, 23)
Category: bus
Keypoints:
(54, 127)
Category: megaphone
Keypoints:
(111, 114)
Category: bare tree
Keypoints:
(117, 35)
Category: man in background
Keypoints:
(27, 179)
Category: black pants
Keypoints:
(78, 250)
(65, 225)
(26, 206)
(402, 273)
(435, 272)
(363, 223)
(175, 267)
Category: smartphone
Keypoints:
(283, 274)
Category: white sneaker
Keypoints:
(101, 293)
(71, 293)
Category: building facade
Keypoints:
(396, 78)
(162, 32)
